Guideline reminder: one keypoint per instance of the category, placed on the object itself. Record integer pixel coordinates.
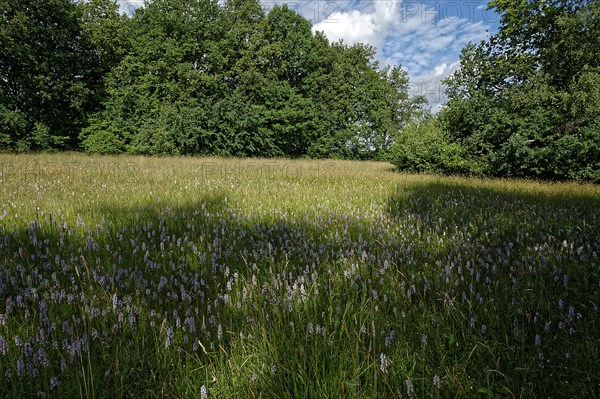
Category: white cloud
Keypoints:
(430, 84)
(129, 6)
(361, 25)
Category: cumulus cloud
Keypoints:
(369, 26)
(430, 84)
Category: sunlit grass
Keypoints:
(186, 277)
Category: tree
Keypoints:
(517, 101)
(44, 87)
(361, 105)
(159, 94)
(290, 50)
(104, 31)
(204, 77)
(423, 146)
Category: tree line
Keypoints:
(191, 77)
(204, 77)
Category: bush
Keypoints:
(575, 155)
(101, 138)
(424, 146)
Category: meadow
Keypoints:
(272, 278)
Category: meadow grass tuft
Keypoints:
(273, 278)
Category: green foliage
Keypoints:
(360, 106)
(290, 50)
(104, 31)
(193, 77)
(525, 102)
(40, 136)
(50, 73)
(423, 146)
(575, 155)
(14, 126)
(101, 138)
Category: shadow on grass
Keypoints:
(129, 250)
(572, 216)
(132, 249)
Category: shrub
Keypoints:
(101, 138)
(424, 146)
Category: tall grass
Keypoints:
(227, 278)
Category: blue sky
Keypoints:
(425, 37)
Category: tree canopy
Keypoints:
(44, 84)
(193, 77)
(526, 102)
